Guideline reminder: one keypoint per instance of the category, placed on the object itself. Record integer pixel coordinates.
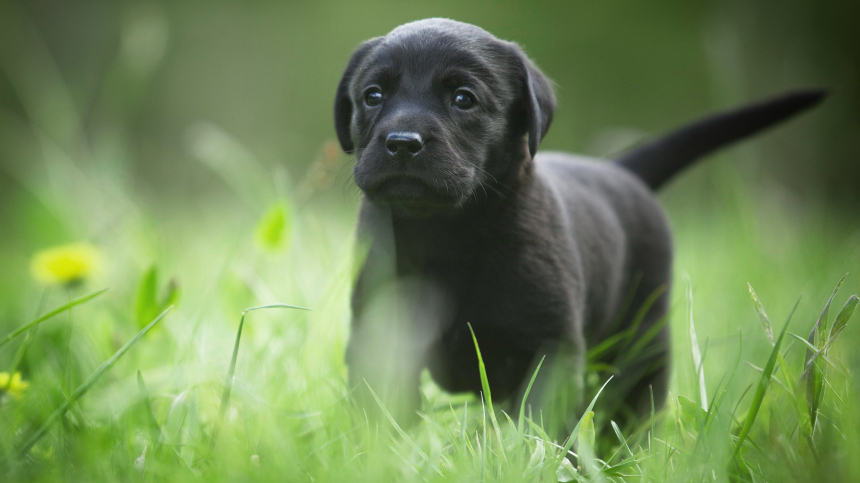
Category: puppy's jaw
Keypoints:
(428, 182)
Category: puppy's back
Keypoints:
(620, 228)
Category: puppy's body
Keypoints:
(547, 265)
(543, 255)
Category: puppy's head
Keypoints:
(436, 110)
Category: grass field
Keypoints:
(161, 412)
(133, 383)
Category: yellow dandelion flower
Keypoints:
(12, 384)
(65, 264)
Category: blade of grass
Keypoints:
(842, 319)
(485, 383)
(575, 433)
(83, 388)
(508, 417)
(60, 309)
(637, 350)
(809, 346)
(465, 416)
(811, 373)
(765, 320)
(653, 417)
(588, 460)
(587, 429)
(621, 438)
(762, 315)
(521, 419)
(626, 337)
(485, 449)
(821, 326)
(29, 338)
(597, 352)
(535, 459)
(814, 372)
(22, 351)
(815, 388)
(154, 428)
(694, 343)
(633, 331)
(758, 398)
(719, 402)
(228, 385)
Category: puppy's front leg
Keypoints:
(395, 320)
(557, 396)
(381, 360)
(388, 348)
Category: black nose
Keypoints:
(404, 143)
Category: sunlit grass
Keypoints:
(750, 400)
(749, 404)
(777, 406)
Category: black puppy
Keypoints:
(544, 255)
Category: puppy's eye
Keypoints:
(373, 97)
(463, 100)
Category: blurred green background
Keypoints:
(162, 133)
(137, 75)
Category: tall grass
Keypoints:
(166, 412)
(798, 421)
(745, 404)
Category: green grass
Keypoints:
(744, 404)
(187, 402)
(164, 411)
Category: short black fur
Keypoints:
(543, 255)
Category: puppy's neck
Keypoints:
(449, 240)
(492, 194)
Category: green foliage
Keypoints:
(85, 157)
(763, 384)
(228, 384)
(148, 304)
(38, 320)
(83, 388)
(273, 230)
(284, 414)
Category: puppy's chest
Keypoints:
(494, 280)
(513, 289)
(511, 312)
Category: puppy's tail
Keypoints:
(659, 160)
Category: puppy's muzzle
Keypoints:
(404, 145)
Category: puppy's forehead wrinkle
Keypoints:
(427, 28)
(441, 44)
(439, 53)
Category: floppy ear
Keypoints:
(539, 101)
(343, 101)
